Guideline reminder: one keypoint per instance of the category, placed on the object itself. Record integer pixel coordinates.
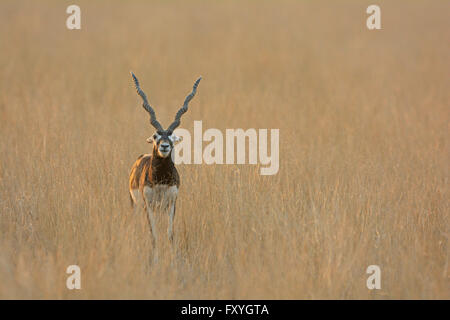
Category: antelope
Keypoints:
(154, 180)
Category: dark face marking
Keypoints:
(163, 142)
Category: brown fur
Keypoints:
(151, 169)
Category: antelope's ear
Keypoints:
(150, 140)
(175, 139)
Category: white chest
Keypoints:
(160, 195)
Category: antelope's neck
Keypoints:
(163, 170)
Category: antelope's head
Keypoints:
(164, 140)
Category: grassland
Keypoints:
(364, 149)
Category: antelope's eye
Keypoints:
(155, 136)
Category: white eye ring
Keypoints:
(156, 136)
(175, 138)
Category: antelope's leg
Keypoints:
(171, 217)
(173, 192)
(148, 197)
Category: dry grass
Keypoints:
(363, 118)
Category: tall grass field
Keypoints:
(363, 118)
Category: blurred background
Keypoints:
(364, 150)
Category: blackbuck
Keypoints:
(154, 180)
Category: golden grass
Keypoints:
(364, 149)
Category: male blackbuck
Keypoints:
(154, 180)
